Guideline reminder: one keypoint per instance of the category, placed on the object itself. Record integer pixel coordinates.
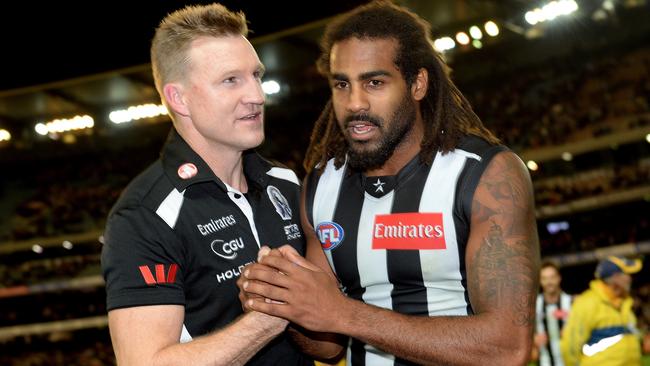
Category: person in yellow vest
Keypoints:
(601, 328)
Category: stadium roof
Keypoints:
(68, 58)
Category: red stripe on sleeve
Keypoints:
(171, 276)
(147, 275)
(160, 273)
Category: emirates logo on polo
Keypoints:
(413, 231)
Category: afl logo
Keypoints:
(330, 235)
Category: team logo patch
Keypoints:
(187, 171)
(330, 235)
(279, 202)
(409, 231)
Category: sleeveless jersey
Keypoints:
(398, 242)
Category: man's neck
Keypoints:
(391, 167)
(226, 163)
(552, 297)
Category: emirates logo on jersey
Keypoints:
(409, 231)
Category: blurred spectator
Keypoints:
(551, 310)
(601, 328)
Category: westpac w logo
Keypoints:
(160, 274)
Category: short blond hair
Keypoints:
(176, 32)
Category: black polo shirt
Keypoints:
(179, 235)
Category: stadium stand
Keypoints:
(578, 117)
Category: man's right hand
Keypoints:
(286, 251)
(243, 295)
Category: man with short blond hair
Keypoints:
(180, 234)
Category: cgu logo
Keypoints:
(227, 249)
(330, 235)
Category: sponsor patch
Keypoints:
(216, 225)
(231, 273)
(187, 171)
(409, 231)
(292, 232)
(330, 235)
(161, 277)
(227, 249)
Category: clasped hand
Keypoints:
(282, 283)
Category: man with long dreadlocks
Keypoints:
(411, 203)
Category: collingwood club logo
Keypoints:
(279, 202)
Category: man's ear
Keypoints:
(420, 85)
(173, 93)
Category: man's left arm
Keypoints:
(502, 261)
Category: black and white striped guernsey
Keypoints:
(398, 242)
(550, 319)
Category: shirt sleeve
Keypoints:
(142, 260)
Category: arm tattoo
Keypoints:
(504, 276)
(505, 264)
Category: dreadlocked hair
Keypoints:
(446, 113)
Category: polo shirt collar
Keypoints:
(184, 167)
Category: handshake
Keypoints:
(286, 285)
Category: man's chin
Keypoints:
(362, 148)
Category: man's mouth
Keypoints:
(250, 117)
(361, 127)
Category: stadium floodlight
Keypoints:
(137, 112)
(64, 124)
(551, 11)
(41, 128)
(270, 87)
(462, 38)
(475, 32)
(491, 28)
(443, 44)
(4, 135)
